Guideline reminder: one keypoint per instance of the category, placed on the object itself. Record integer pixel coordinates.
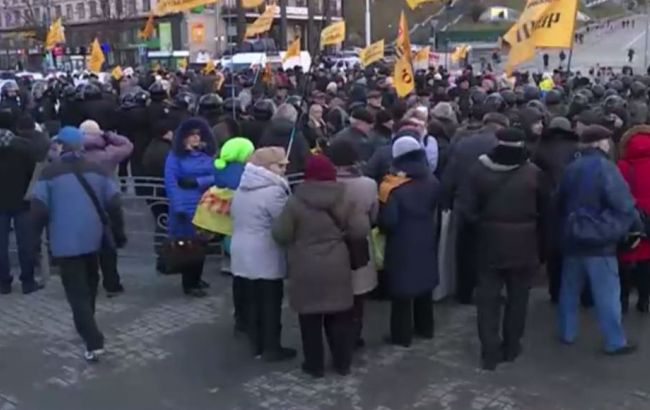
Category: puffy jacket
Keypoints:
(196, 165)
(258, 201)
(106, 150)
(593, 175)
(634, 164)
(74, 227)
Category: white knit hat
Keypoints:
(90, 127)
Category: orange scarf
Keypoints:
(389, 183)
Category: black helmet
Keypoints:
(537, 104)
(610, 91)
(477, 96)
(39, 89)
(91, 91)
(494, 103)
(69, 92)
(509, 97)
(107, 88)
(627, 81)
(614, 103)
(587, 93)
(157, 91)
(127, 100)
(637, 89)
(185, 101)
(231, 104)
(10, 87)
(210, 102)
(531, 92)
(519, 95)
(615, 85)
(599, 91)
(553, 97)
(263, 110)
(142, 97)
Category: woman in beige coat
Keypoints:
(313, 226)
(361, 193)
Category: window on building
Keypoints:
(130, 8)
(57, 12)
(146, 5)
(119, 8)
(27, 17)
(92, 6)
(37, 14)
(16, 16)
(68, 12)
(106, 8)
(8, 19)
(81, 11)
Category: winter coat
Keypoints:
(102, 111)
(155, 156)
(278, 134)
(379, 136)
(133, 125)
(195, 164)
(361, 192)
(320, 277)
(314, 133)
(258, 201)
(379, 164)
(593, 175)
(254, 130)
(506, 204)
(106, 150)
(358, 139)
(18, 158)
(634, 164)
(463, 154)
(556, 149)
(408, 220)
(59, 200)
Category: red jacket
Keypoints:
(634, 164)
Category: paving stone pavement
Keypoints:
(166, 351)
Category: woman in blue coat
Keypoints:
(409, 198)
(189, 172)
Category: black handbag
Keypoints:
(181, 254)
(358, 249)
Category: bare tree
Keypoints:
(33, 22)
(241, 23)
(283, 23)
(311, 26)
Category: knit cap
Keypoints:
(236, 149)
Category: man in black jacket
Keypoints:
(18, 158)
(504, 198)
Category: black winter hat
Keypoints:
(594, 133)
(342, 153)
(383, 117)
(588, 117)
(362, 114)
(511, 135)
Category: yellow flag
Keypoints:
(414, 3)
(374, 52)
(156, 68)
(459, 53)
(263, 22)
(175, 6)
(182, 63)
(209, 67)
(96, 58)
(251, 4)
(147, 32)
(293, 50)
(333, 34)
(117, 73)
(403, 42)
(543, 23)
(403, 77)
(422, 55)
(55, 35)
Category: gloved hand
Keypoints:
(188, 183)
(182, 217)
(631, 241)
(120, 239)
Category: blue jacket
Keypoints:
(230, 176)
(593, 175)
(408, 220)
(58, 198)
(181, 163)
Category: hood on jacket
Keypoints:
(321, 195)
(194, 123)
(256, 177)
(635, 143)
(414, 165)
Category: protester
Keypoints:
(188, 173)
(407, 217)
(256, 257)
(73, 197)
(357, 133)
(505, 198)
(634, 164)
(106, 150)
(283, 133)
(596, 212)
(361, 192)
(313, 226)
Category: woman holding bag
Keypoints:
(189, 171)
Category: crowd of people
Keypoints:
(513, 174)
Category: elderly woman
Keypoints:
(188, 173)
(255, 256)
(314, 226)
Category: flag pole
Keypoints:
(573, 38)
